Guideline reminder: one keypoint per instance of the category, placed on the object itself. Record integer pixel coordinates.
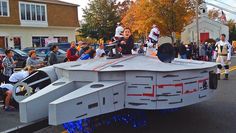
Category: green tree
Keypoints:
(100, 18)
(231, 24)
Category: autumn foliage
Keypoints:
(169, 15)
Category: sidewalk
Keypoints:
(9, 120)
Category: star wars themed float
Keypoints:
(78, 90)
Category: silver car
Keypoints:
(44, 51)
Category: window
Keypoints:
(62, 39)
(4, 8)
(43, 13)
(28, 12)
(22, 7)
(33, 12)
(38, 41)
(38, 13)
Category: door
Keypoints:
(204, 36)
(2, 42)
(17, 42)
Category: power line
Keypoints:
(225, 3)
(220, 7)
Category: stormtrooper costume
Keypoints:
(152, 41)
(119, 32)
(223, 57)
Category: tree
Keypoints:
(100, 19)
(123, 7)
(170, 16)
(231, 24)
(214, 14)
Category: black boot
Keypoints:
(226, 76)
(218, 76)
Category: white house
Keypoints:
(208, 28)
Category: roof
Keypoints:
(59, 2)
(132, 63)
(206, 20)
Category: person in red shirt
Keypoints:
(72, 52)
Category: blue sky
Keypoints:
(83, 4)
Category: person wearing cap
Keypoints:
(119, 31)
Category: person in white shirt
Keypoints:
(100, 52)
(223, 56)
(119, 31)
(18, 76)
(7, 90)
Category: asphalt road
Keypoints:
(217, 115)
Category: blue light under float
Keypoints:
(125, 118)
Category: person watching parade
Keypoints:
(100, 52)
(71, 53)
(32, 60)
(53, 55)
(8, 65)
(223, 56)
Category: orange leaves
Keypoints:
(169, 15)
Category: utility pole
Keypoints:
(197, 20)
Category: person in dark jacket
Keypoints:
(182, 51)
(53, 55)
(71, 53)
(127, 42)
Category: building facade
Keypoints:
(29, 23)
(208, 28)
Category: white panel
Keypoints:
(106, 101)
(140, 93)
(75, 109)
(84, 102)
(119, 97)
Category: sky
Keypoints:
(84, 3)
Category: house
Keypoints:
(30, 23)
(208, 28)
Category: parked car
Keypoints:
(2, 52)
(21, 57)
(62, 46)
(43, 52)
(26, 50)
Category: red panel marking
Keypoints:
(190, 91)
(150, 94)
(162, 86)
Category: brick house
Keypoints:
(28, 23)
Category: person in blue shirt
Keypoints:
(85, 55)
(88, 54)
